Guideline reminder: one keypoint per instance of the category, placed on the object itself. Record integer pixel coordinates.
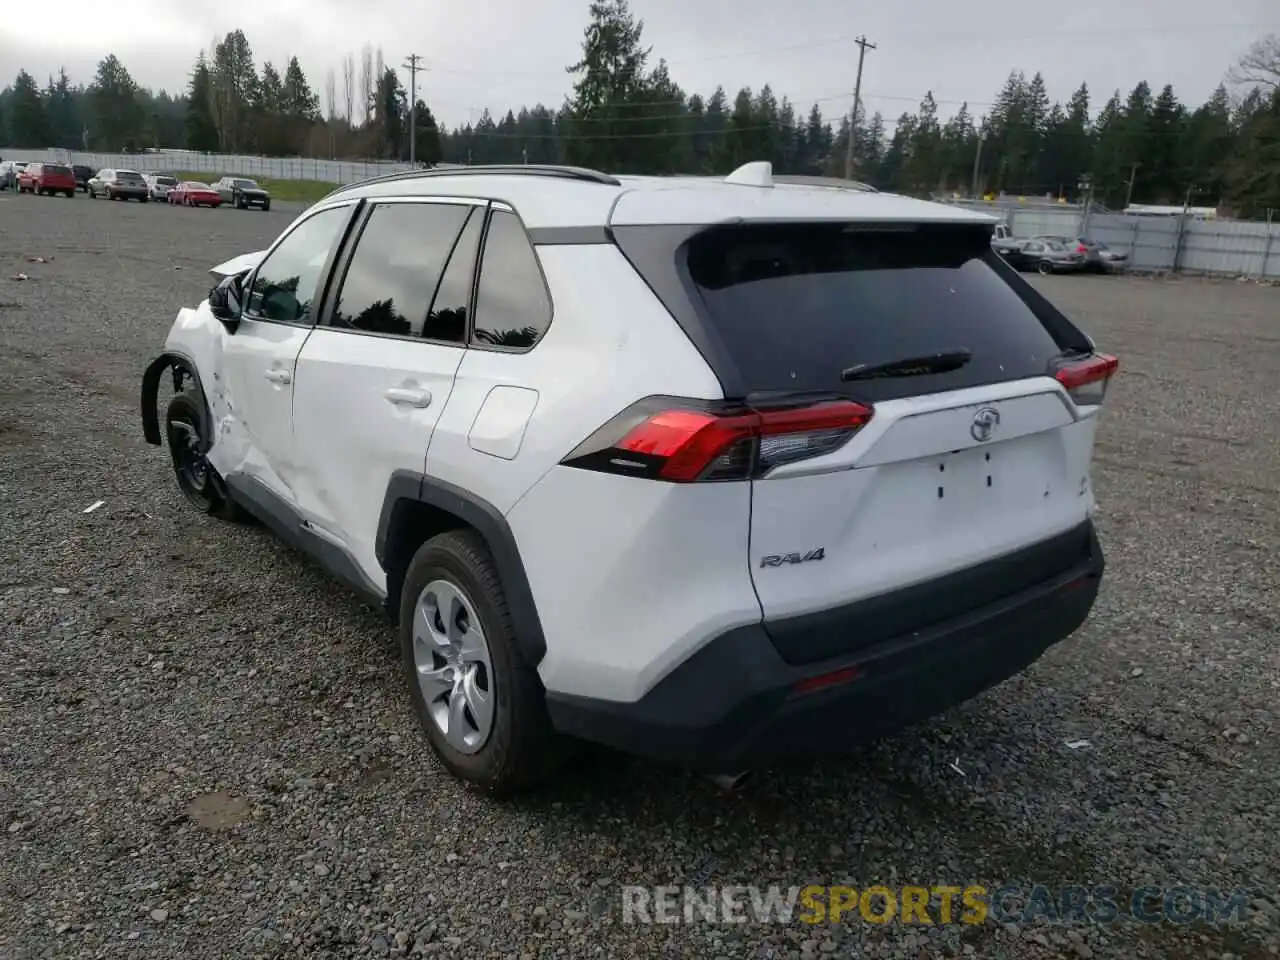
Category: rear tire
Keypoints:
(197, 479)
(1044, 268)
(483, 710)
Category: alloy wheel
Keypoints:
(454, 668)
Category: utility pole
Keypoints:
(977, 160)
(413, 66)
(863, 46)
(1128, 196)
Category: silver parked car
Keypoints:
(1098, 257)
(9, 171)
(159, 185)
(119, 185)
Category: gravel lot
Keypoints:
(205, 750)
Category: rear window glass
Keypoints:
(796, 304)
(166, 181)
(127, 175)
(56, 168)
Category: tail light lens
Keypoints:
(688, 441)
(1086, 380)
(1082, 249)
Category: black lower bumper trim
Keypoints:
(734, 702)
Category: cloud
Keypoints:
(501, 54)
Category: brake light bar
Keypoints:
(1086, 380)
(688, 441)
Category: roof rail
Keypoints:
(502, 169)
(838, 183)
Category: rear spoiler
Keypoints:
(237, 265)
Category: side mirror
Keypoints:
(225, 302)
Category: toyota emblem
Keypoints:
(985, 422)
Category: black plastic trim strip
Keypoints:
(488, 521)
(151, 393)
(285, 522)
(569, 236)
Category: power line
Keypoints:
(1101, 34)
(863, 46)
(413, 66)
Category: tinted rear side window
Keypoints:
(793, 305)
(513, 309)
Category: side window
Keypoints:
(512, 305)
(399, 259)
(447, 319)
(285, 283)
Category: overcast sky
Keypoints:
(504, 53)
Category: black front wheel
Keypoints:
(197, 479)
(1044, 268)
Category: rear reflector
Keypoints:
(825, 681)
(1086, 380)
(687, 441)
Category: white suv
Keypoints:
(704, 469)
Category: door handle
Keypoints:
(407, 397)
(278, 376)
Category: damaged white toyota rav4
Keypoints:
(707, 470)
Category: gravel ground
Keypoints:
(205, 750)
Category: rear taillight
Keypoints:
(687, 441)
(1086, 380)
(1082, 249)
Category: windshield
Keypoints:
(245, 184)
(195, 185)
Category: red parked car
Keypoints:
(47, 178)
(191, 193)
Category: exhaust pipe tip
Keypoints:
(730, 781)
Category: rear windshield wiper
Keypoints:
(909, 366)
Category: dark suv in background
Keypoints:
(83, 176)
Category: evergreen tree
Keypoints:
(200, 131)
(426, 145)
(390, 116)
(114, 100)
(28, 125)
(610, 79)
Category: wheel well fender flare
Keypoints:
(491, 525)
(170, 359)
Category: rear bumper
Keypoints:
(735, 702)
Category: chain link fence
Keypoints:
(220, 164)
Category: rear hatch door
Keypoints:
(962, 462)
